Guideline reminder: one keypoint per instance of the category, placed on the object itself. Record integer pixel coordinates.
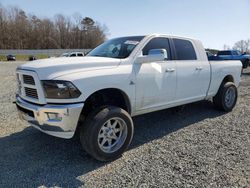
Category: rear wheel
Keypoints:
(226, 97)
(107, 133)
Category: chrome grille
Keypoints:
(30, 92)
(27, 79)
(29, 86)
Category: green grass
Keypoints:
(24, 57)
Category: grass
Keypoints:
(21, 57)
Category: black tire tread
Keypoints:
(218, 99)
(89, 127)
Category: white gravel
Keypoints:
(192, 147)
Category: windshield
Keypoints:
(237, 52)
(116, 48)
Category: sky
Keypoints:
(214, 22)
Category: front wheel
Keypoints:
(245, 64)
(226, 97)
(107, 133)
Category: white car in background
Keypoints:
(72, 54)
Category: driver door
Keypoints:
(155, 81)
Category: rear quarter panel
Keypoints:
(221, 69)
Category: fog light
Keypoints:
(54, 116)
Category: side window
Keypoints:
(72, 55)
(236, 53)
(80, 54)
(184, 49)
(157, 43)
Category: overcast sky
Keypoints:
(214, 22)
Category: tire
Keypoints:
(107, 133)
(245, 63)
(226, 97)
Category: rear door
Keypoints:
(193, 71)
(225, 55)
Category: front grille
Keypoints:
(30, 92)
(27, 79)
(29, 87)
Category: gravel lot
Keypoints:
(192, 147)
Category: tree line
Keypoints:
(242, 45)
(19, 30)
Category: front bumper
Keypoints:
(56, 120)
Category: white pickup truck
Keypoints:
(97, 95)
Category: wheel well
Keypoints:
(228, 78)
(111, 96)
(245, 60)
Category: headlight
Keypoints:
(57, 89)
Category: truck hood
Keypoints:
(246, 55)
(54, 67)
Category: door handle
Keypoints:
(170, 70)
(198, 68)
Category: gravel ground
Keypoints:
(192, 147)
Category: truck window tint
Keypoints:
(236, 53)
(184, 49)
(224, 53)
(157, 43)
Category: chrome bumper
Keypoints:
(56, 120)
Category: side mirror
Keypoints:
(153, 56)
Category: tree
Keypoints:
(2, 27)
(18, 30)
(93, 34)
(248, 46)
(226, 47)
(242, 45)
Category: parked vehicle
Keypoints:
(233, 55)
(64, 55)
(97, 95)
(11, 58)
(32, 58)
(209, 54)
(76, 54)
(73, 54)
